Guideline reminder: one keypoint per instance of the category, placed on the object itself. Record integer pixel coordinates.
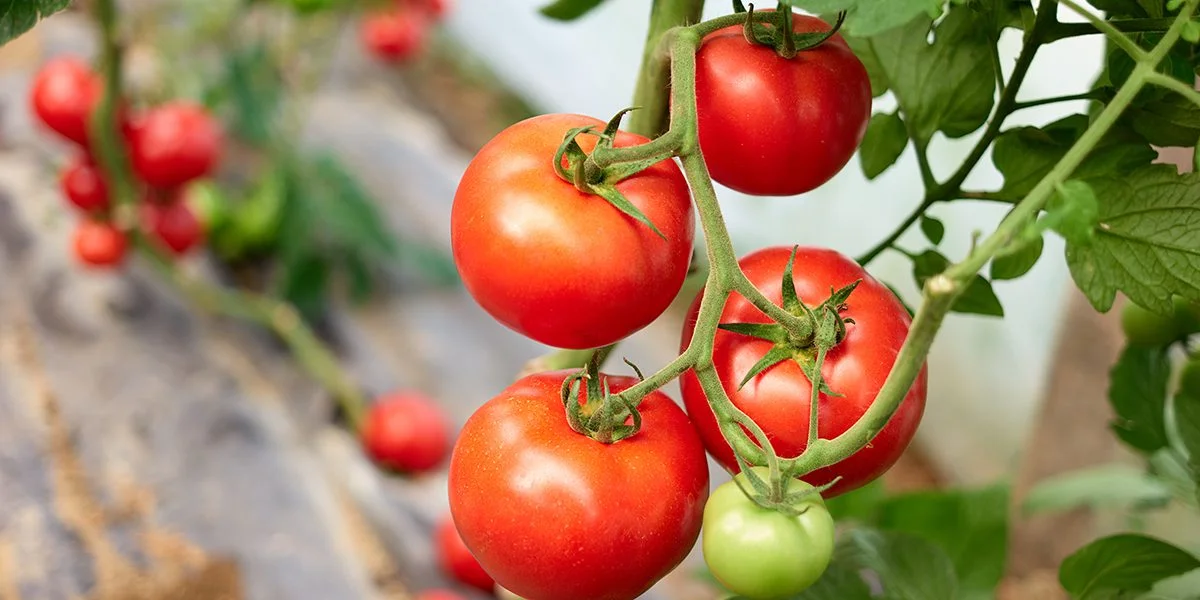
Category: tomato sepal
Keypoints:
(602, 415)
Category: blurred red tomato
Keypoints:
(406, 431)
(174, 143)
(99, 243)
(64, 94)
(83, 184)
(457, 561)
(395, 35)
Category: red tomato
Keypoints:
(457, 561)
(174, 143)
(778, 398)
(406, 431)
(770, 126)
(83, 184)
(560, 266)
(552, 514)
(174, 224)
(64, 94)
(436, 8)
(395, 35)
(439, 595)
(99, 243)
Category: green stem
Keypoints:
(281, 317)
(1107, 28)
(1174, 85)
(654, 80)
(891, 239)
(1088, 95)
(814, 407)
(1069, 30)
(989, 196)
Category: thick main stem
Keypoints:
(654, 79)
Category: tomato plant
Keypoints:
(456, 560)
(406, 431)
(64, 95)
(595, 502)
(764, 553)
(776, 126)
(778, 398)
(174, 143)
(517, 232)
(83, 184)
(99, 244)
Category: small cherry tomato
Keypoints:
(457, 561)
(99, 243)
(174, 224)
(174, 143)
(761, 553)
(407, 432)
(394, 35)
(64, 94)
(83, 184)
(1144, 327)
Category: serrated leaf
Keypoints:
(1138, 394)
(19, 16)
(1147, 242)
(947, 86)
(906, 566)
(883, 143)
(1122, 563)
(870, 17)
(970, 526)
(933, 229)
(569, 10)
(1016, 263)
(1114, 485)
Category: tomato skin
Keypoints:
(770, 126)
(555, 264)
(174, 143)
(457, 561)
(174, 224)
(406, 431)
(764, 554)
(1144, 327)
(99, 243)
(64, 94)
(83, 185)
(778, 398)
(395, 35)
(553, 514)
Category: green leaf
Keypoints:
(908, 567)
(1173, 471)
(946, 86)
(1147, 242)
(1171, 120)
(933, 229)
(1074, 212)
(1138, 394)
(1113, 485)
(1125, 8)
(861, 504)
(1187, 424)
(883, 144)
(970, 526)
(1017, 262)
(979, 298)
(875, 72)
(1025, 155)
(1122, 563)
(839, 582)
(253, 84)
(19, 16)
(569, 10)
(303, 283)
(870, 17)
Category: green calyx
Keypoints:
(588, 175)
(773, 493)
(825, 329)
(601, 415)
(777, 32)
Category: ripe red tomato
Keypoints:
(770, 126)
(174, 143)
(394, 35)
(560, 266)
(407, 432)
(83, 184)
(174, 224)
(553, 514)
(778, 398)
(439, 595)
(99, 243)
(64, 94)
(436, 8)
(458, 562)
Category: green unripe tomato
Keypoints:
(206, 200)
(256, 220)
(1146, 328)
(765, 554)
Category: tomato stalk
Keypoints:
(279, 316)
(654, 78)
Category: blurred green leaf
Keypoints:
(1113, 485)
(883, 143)
(1138, 394)
(908, 567)
(19, 16)
(1017, 262)
(254, 86)
(979, 297)
(933, 229)
(859, 505)
(569, 10)
(1122, 563)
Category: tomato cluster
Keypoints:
(399, 32)
(576, 252)
(168, 146)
